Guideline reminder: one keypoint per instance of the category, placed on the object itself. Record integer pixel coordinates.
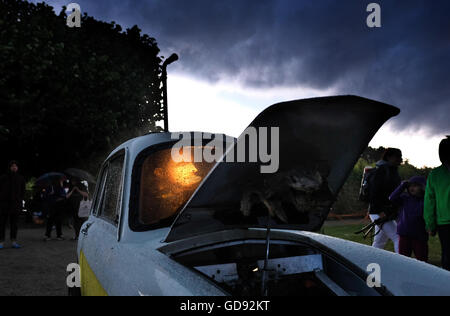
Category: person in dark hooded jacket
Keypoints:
(56, 202)
(384, 181)
(410, 223)
(12, 192)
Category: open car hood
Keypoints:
(320, 141)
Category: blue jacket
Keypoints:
(410, 222)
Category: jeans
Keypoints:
(55, 218)
(444, 236)
(12, 217)
(77, 223)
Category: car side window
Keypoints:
(99, 190)
(109, 208)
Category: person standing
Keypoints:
(56, 202)
(411, 225)
(79, 193)
(12, 192)
(437, 202)
(384, 181)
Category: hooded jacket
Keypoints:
(410, 222)
(12, 192)
(385, 180)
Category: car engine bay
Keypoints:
(240, 268)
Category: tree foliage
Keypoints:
(69, 95)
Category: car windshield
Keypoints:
(167, 185)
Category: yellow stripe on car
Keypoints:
(90, 286)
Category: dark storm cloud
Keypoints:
(319, 44)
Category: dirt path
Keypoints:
(39, 268)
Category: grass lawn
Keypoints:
(347, 232)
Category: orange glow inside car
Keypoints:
(167, 185)
(185, 174)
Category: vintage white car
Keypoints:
(187, 228)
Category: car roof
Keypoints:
(138, 144)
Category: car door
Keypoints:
(98, 245)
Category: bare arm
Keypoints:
(70, 193)
(83, 194)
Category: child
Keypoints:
(411, 224)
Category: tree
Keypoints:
(70, 95)
(372, 155)
(3, 133)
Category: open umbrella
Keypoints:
(47, 179)
(80, 174)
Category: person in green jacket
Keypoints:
(437, 202)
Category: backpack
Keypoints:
(366, 183)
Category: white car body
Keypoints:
(120, 261)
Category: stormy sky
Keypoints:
(319, 46)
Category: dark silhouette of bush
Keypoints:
(69, 95)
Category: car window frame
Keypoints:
(119, 205)
(133, 208)
(98, 194)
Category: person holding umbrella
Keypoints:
(44, 185)
(12, 192)
(80, 175)
(56, 197)
(80, 192)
